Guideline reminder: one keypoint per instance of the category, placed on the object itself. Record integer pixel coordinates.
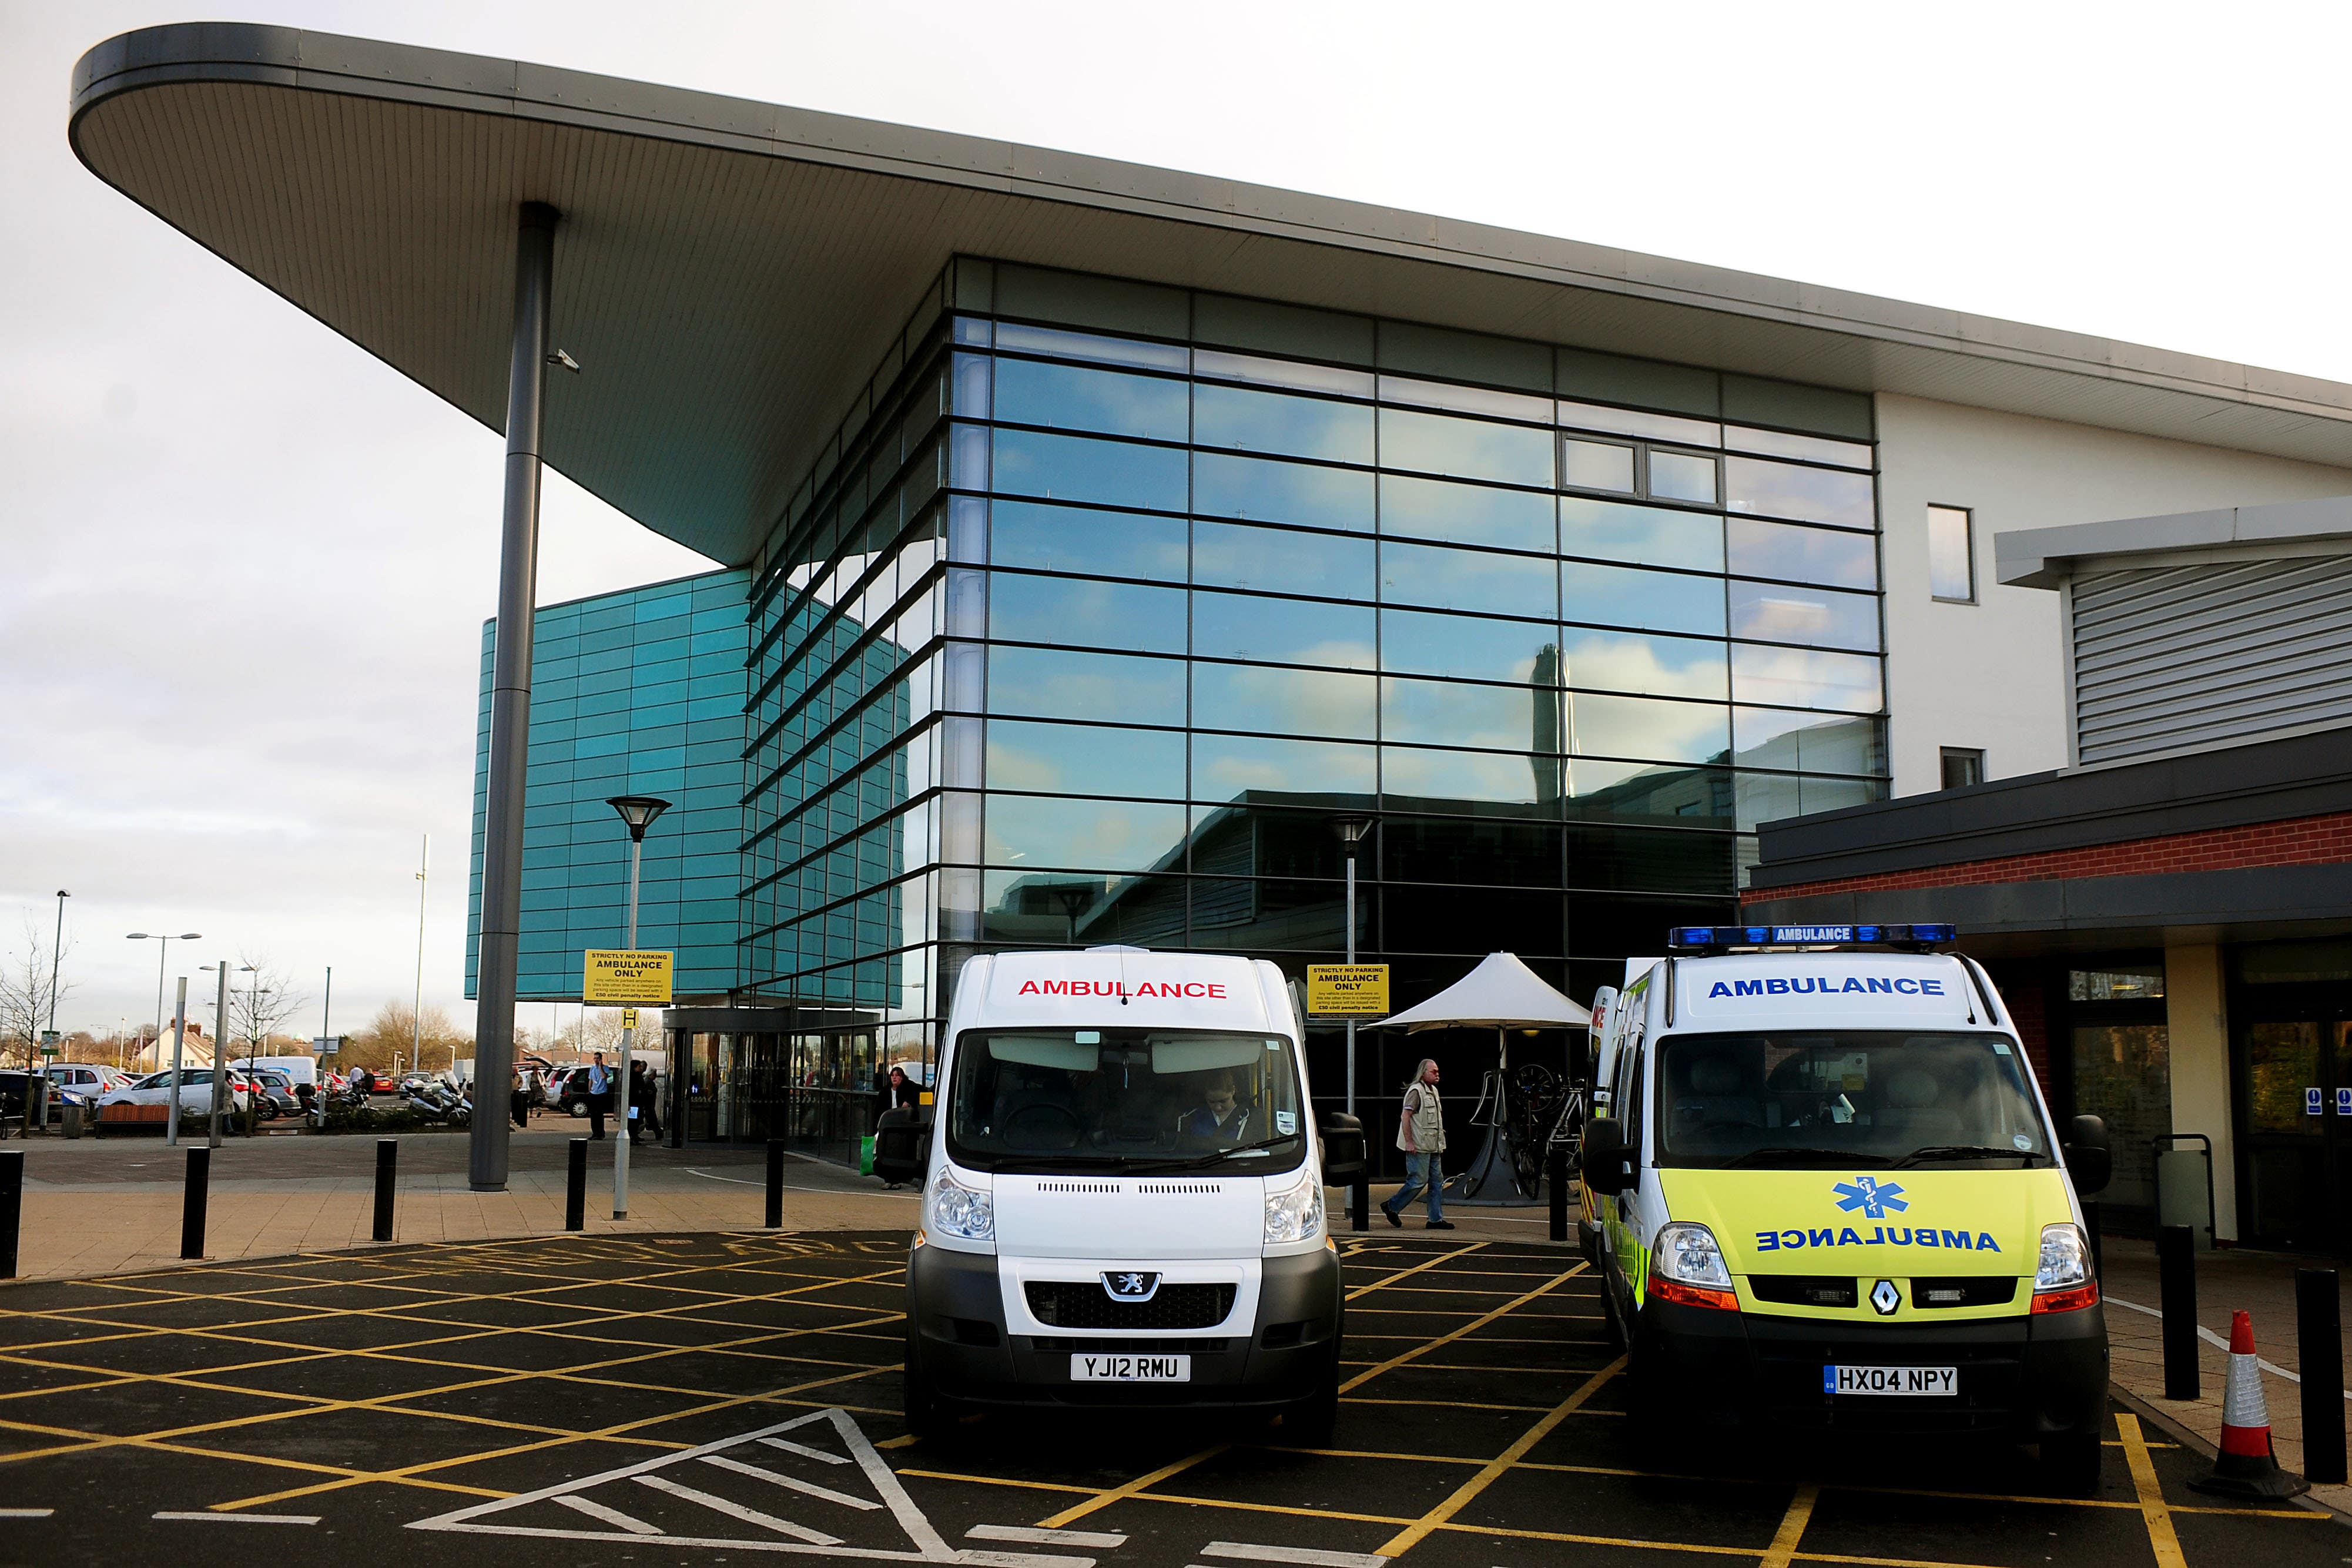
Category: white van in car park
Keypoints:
(1122, 1193)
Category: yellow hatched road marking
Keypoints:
(1792, 1527)
(1430, 1262)
(2161, 1537)
(1105, 1500)
(1472, 1326)
(1462, 1496)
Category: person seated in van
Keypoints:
(1221, 1114)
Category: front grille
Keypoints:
(1804, 1290)
(1965, 1290)
(1107, 1346)
(1085, 1304)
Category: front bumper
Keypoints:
(2021, 1378)
(1281, 1353)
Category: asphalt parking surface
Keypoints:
(702, 1399)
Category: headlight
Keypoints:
(961, 1212)
(2065, 1259)
(1296, 1214)
(1688, 1254)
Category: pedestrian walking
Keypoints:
(600, 1096)
(1421, 1133)
(640, 1117)
(518, 1097)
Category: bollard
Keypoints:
(2176, 1262)
(775, 1220)
(71, 1116)
(2319, 1348)
(1359, 1203)
(1556, 1173)
(387, 1170)
(12, 1207)
(192, 1207)
(575, 1186)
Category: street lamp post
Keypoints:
(220, 1044)
(639, 812)
(160, 960)
(1351, 831)
(416, 1006)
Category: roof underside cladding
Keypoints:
(728, 272)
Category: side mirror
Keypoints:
(1343, 1149)
(1603, 1162)
(2088, 1159)
(902, 1145)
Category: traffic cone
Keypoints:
(2246, 1467)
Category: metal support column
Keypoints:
(511, 690)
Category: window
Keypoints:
(1951, 554)
(1962, 767)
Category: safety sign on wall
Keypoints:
(617, 977)
(1348, 990)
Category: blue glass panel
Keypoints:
(1417, 642)
(1047, 831)
(1083, 613)
(1225, 766)
(1426, 779)
(1701, 796)
(1065, 539)
(1465, 449)
(1232, 555)
(1652, 601)
(1051, 684)
(1639, 727)
(1643, 536)
(1807, 743)
(1289, 631)
(1266, 490)
(1507, 717)
(1471, 580)
(1031, 392)
(1839, 559)
(1798, 678)
(1627, 661)
(1073, 468)
(1284, 701)
(1466, 514)
(1275, 421)
(1808, 495)
(1682, 476)
(1778, 612)
(1074, 759)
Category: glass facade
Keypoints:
(638, 692)
(1104, 598)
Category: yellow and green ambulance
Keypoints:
(1826, 1193)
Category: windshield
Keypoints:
(1892, 1098)
(1123, 1100)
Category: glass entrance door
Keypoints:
(2295, 1138)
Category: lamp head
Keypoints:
(638, 811)
(136, 936)
(1351, 829)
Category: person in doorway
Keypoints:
(905, 1092)
(599, 1096)
(1421, 1133)
(640, 1117)
(518, 1097)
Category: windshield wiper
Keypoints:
(1791, 1156)
(1219, 1157)
(1965, 1152)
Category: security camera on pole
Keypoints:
(629, 978)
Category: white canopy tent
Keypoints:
(1502, 993)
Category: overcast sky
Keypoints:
(246, 566)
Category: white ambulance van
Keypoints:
(1827, 1196)
(1122, 1194)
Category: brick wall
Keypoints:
(2296, 841)
(2021, 993)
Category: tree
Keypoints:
(29, 997)
(260, 1002)
(390, 1034)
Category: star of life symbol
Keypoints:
(1872, 1196)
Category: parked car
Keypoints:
(276, 1094)
(195, 1091)
(567, 1089)
(82, 1081)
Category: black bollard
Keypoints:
(2319, 1348)
(575, 1186)
(191, 1206)
(387, 1172)
(12, 1207)
(1359, 1204)
(775, 1220)
(1556, 1173)
(2175, 1263)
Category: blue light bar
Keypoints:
(1721, 937)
